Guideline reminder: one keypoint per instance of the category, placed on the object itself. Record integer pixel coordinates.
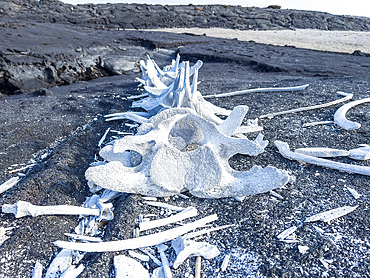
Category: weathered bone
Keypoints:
(141, 257)
(127, 267)
(60, 263)
(322, 152)
(8, 184)
(301, 109)
(259, 90)
(188, 212)
(205, 231)
(37, 270)
(283, 148)
(73, 271)
(329, 215)
(362, 153)
(165, 206)
(284, 234)
(185, 248)
(340, 116)
(21, 209)
(165, 265)
(225, 262)
(134, 243)
(194, 155)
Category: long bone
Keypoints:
(139, 242)
(346, 97)
(258, 90)
(8, 184)
(21, 209)
(340, 115)
(188, 212)
(283, 148)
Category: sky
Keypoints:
(340, 7)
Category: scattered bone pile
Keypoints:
(182, 145)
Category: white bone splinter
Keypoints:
(139, 242)
(340, 116)
(322, 152)
(345, 98)
(284, 150)
(329, 215)
(8, 184)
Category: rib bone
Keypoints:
(8, 184)
(340, 115)
(134, 243)
(283, 148)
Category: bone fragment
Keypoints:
(150, 253)
(362, 153)
(259, 90)
(73, 271)
(141, 257)
(8, 184)
(21, 209)
(206, 231)
(186, 213)
(103, 137)
(329, 215)
(198, 267)
(353, 192)
(134, 243)
(37, 270)
(225, 262)
(284, 234)
(23, 168)
(276, 195)
(322, 152)
(283, 148)
(345, 98)
(165, 206)
(138, 96)
(127, 267)
(186, 248)
(317, 123)
(60, 263)
(165, 265)
(83, 237)
(303, 249)
(340, 116)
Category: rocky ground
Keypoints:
(87, 67)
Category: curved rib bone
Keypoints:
(283, 148)
(340, 115)
(345, 98)
(259, 90)
(134, 243)
(322, 152)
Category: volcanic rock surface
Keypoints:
(63, 67)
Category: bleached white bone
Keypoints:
(185, 248)
(283, 148)
(164, 205)
(353, 192)
(141, 257)
(317, 123)
(322, 152)
(149, 251)
(127, 267)
(225, 262)
(362, 153)
(259, 90)
(205, 231)
(340, 115)
(134, 243)
(346, 97)
(8, 184)
(168, 166)
(284, 234)
(73, 271)
(60, 263)
(186, 213)
(165, 265)
(37, 270)
(22, 208)
(83, 237)
(329, 215)
(103, 137)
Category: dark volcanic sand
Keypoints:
(66, 123)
